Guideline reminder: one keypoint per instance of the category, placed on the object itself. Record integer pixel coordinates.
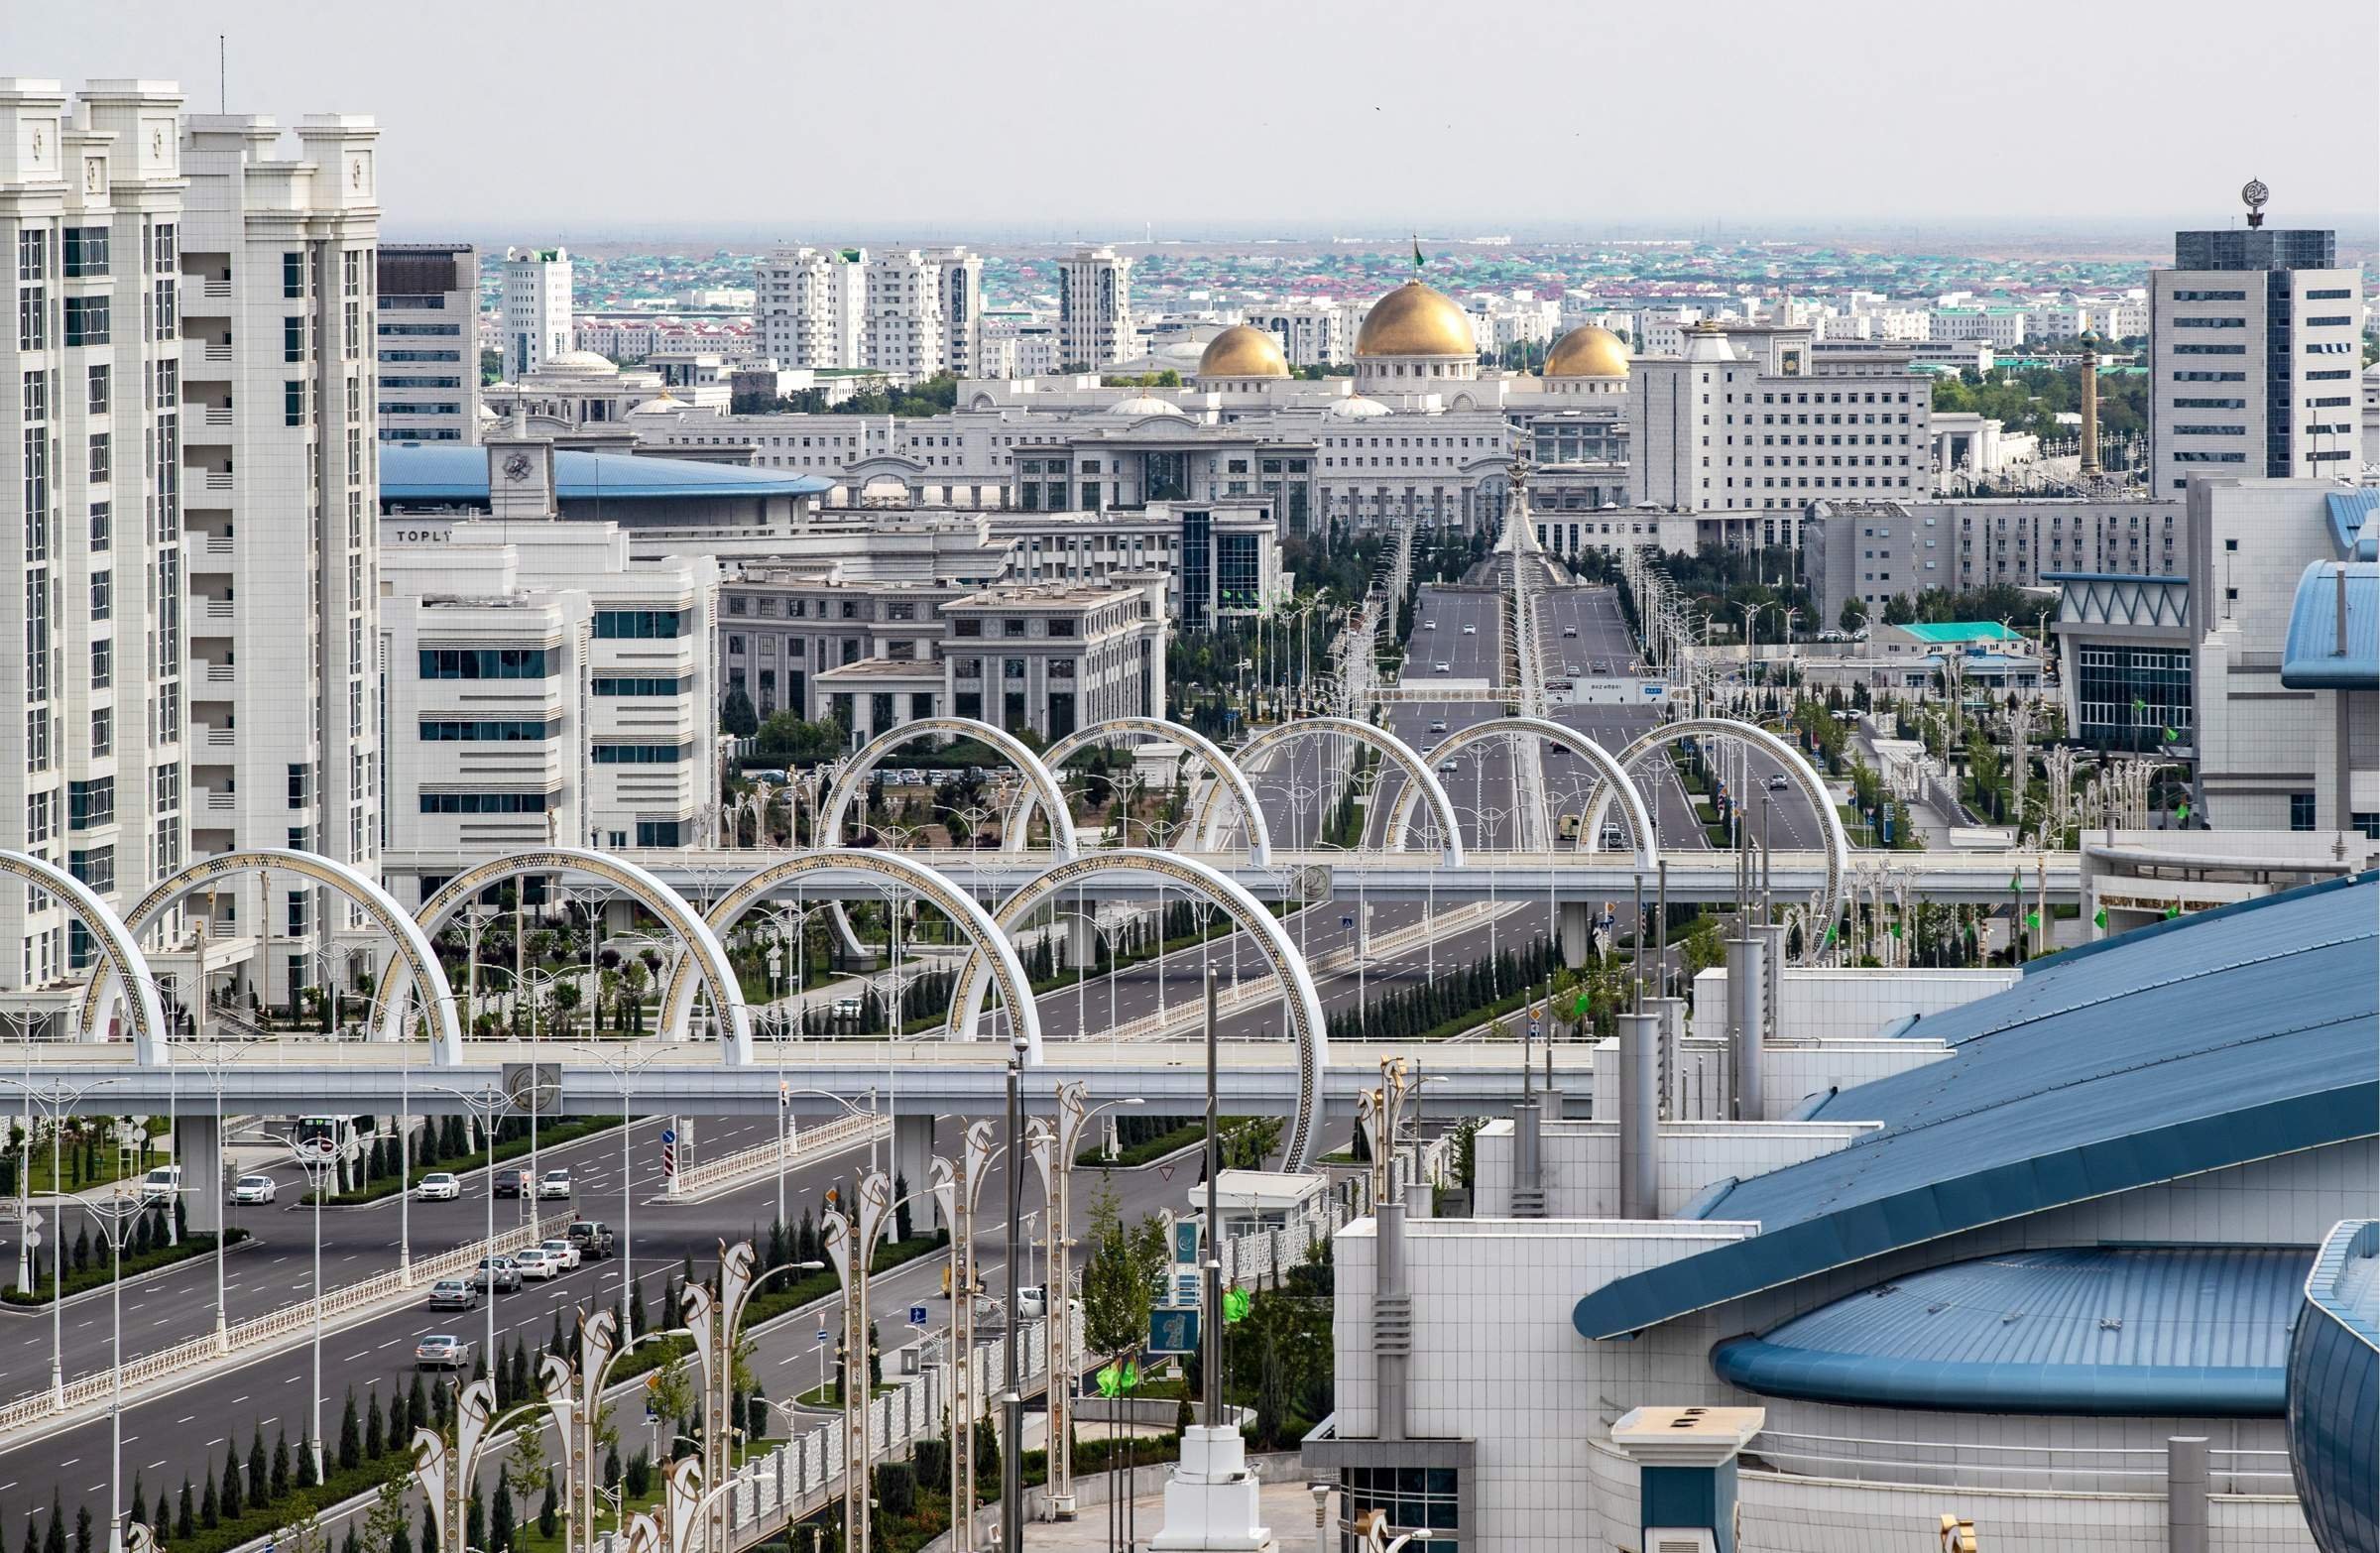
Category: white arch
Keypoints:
(120, 954)
(1615, 775)
(428, 979)
(1798, 770)
(1036, 773)
(936, 889)
(675, 912)
(1226, 771)
(1417, 770)
(1246, 912)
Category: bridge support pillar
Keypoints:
(1748, 974)
(1082, 941)
(914, 1151)
(1576, 922)
(194, 1145)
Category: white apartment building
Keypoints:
(535, 308)
(2003, 328)
(908, 312)
(1311, 334)
(1876, 550)
(429, 354)
(810, 306)
(92, 587)
(2254, 349)
(542, 687)
(280, 469)
(1095, 309)
(1760, 420)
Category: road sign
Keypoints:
(1185, 1242)
(916, 1315)
(669, 1150)
(1346, 921)
(668, 1135)
(1535, 1030)
(1174, 1329)
(822, 1331)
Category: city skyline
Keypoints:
(1401, 110)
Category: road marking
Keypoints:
(191, 1420)
(151, 1467)
(237, 1400)
(63, 1466)
(352, 1358)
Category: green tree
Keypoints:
(1853, 615)
(736, 714)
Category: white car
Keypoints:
(1442, 668)
(1470, 630)
(1439, 726)
(554, 1183)
(563, 1252)
(1448, 766)
(439, 1186)
(1570, 631)
(535, 1261)
(253, 1189)
(1429, 625)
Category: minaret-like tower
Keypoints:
(2090, 405)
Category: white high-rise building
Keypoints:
(1094, 309)
(2254, 348)
(959, 299)
(92, 587)
(280, 472)
(427, 348)
(908, 312)
(810, 306)
(536, 307)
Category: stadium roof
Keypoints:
(2334, 1389)
(1948, 632)
(422, 472)
(2311, 659)
(2189, 1046)
(2187, 1330)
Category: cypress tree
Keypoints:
(416, 1414)
(401, 1540)
(352, 1435)
(258, 1470)
(231, 1498)
(185, 1525)
(376, 1439)
(280, 1463)
(139, 1501)
(306, 1477)
(33, 1541)
(500, 1511)
(429, 1532)
(83, 1528)
(475, 1520)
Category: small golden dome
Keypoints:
(1414, 321)
(1590, 351)
(1243, 351)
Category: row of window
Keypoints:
(642, 685)
(643, 754)
(486, 663)
(640, 625)
(491, 731)
(485, 802)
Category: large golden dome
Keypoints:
(1414, 321)
(1242, 351)
(1590, 351)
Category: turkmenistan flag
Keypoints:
(2016, 883)
(2033, 922)
(1418, 260)
(2100, 918)
(1580, 1007)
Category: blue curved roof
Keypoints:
(2187, 1330)
(2204, 1044)
(427, 472)
(2309, 657)
(2335, 1392)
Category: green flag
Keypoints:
(1110, 1381)
(2033, 922)
(2172, 912)
(2171, 737)
(1579, 1008)
(2016, 883)
(1829, 938)
(1418, 261)
(1893, 929)
(2182, 812)
(1235, 1305)
(2099, 918)
(1131, 1375)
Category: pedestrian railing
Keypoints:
(750, 1164)
(94, 1389)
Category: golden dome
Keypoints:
(1242, 351)
(1414, 321)
(1589, 351)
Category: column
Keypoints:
(2186, 1525)
(195, 1141)
(912, 1155)
(1575, 920)
(1082, 941)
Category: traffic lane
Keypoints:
(277, 1267)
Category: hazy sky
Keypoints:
(1067, 118)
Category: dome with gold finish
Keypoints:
(1243, 351)
(1415, 320)
(1590, 351)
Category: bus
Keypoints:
(342, 1130)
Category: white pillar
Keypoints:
(914, 1153)
(1575, 920)
(194, 1139)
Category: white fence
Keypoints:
(93, 1389)
(805, 1473)
(750, 1164)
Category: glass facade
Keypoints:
(1239, 572)
(2130, 697)
(1414, 1499)
(1198, 563)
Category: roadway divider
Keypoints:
(260, 1333)
(700, 1183)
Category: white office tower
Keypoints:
(959, 299)
(428, 342)
(810, 308)
(92, 774)
(280, 471)
(536, 307)
(2253, 355)
(1094, 309)
(911, 312)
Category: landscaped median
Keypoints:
(95, 1274)
(551, 1134)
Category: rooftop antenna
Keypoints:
(222, 88)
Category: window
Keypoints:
(103, 663)
(103, 594)
(292, 274)
(644, 685)
(483, 802)
(95, 382)
(86, 320)
(643, 754)
(293, 403)
(616, 625)
(99, 526)
(292, 339)
(95, 868)
(84, 250)
(497, 731)
(658, 833)
(90, 805)
(103, 730)
(967, 627)
(2300, 811)
(485, 663)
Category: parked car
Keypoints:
(594, 1240)
(507, 1273)
(442, 1351)
(563, 1252)
(439, 1186)
(514, 1183)
(253, 1189)
(536, 1263)
(453, 1294)
(556, 1183)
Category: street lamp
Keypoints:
(955, 1189)
(318, 1159)
(217, 1057)
(115, 1213)
(624, 1067)
(1054, 1153)
(57, 1099)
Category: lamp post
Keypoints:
(850, 1241)
(1054, 1154)
(484, 1106)
(956, 1189)
(784, 1098)
(217, 1057)
(115, 1213)
(713, 1322)
(624, 1067)
(56, 1101)
(318, 1159)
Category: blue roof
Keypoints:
(426, 472)
(2335, 1390)
(2311, 659)
(2349, 511)
(2207, 1043)
(2189, 1330)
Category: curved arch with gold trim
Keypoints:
(1614, 772)
(1798, 770)
(1247, 914)
(119, 952)
(411, 943)
(1417, 770)
(932, 887)
(1226, 771)
(1036, 773)
(675, 912)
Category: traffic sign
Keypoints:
(822, 1333)
(668, 1135)
(916, 1315)
(1174, 1329)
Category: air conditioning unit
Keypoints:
(1679, 1539)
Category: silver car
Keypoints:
(253, 1189)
